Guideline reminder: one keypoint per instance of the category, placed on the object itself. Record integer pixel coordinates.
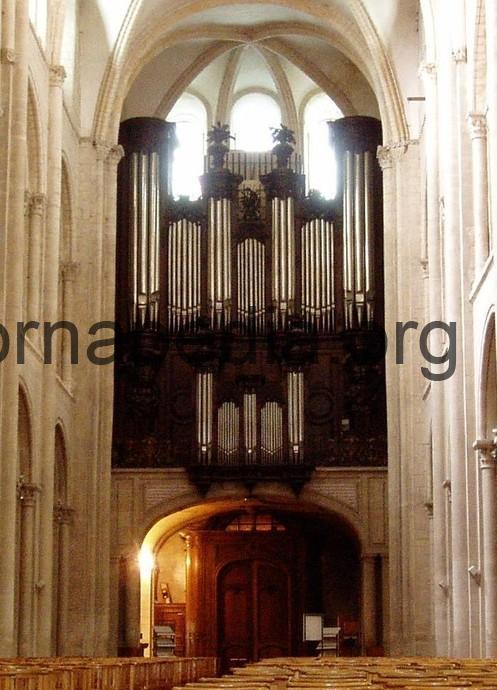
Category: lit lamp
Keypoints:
(146, 562)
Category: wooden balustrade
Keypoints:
(81, 673)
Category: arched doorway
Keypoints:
(234, 580)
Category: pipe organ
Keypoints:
(255, 281)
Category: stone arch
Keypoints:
(123, 66)
(488, 380)
(25, 436)
(169, 521)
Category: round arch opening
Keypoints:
(234, 578)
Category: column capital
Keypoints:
(487, 451)
(460, 55)
(57, 75)
(115, 155)
(27, 492)
(38, 204)
(391, 153)
(62, 514)
(102, 148)
(8, 56)
(428, 70)
(477, 125)
(69, 271)
(385, 158)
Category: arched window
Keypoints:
(252, 117)
(320, 164)
(190, 117)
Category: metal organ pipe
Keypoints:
(144, 240)
(283, 279)
(204, 415)
(317, 274)
(251, 293)
(220, 260)
(369, 233)
(184, 298)
(296, 414)
(250, 425)
(271, 433)
(228, 433)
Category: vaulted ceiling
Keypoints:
(144, 53)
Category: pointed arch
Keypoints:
(488, 380)
(25, 436)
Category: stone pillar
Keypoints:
(478, 131)
(368, 603)
(385, 596)
(27, 497)
(487, 453)
(62, 518)
(450, 156)
(387, 163)
(428, 72)
(13, 125)
(132, 604)
(491, 67)
(36, 219)
(50, 311)
(69, 273)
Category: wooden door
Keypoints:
(254, 615)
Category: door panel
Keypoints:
(273, 611)
(236, 629)
(254, 612)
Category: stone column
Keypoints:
(27, 497)
(368, 603)
(478, 131)
(491, 67)
(62, 518)
(487, 453)
(50, 312)
(69, 272)
(132, 603)
(36, 219)
(450, 155)
(387, 163)
(428, 72)
(13, 125)
(385, 575)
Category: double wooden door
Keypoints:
(254, 598)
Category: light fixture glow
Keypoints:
(146, 561)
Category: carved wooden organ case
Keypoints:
(250, 321)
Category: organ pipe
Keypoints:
(296, 414)
(272, 433)
(143, 187)
(204, 415)
(144, 240)
(317, 267)
(356, 140)
(184, 287)
(251, 281)
(228, 432)
(219, 232)
(250, 425)
(283, 249)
